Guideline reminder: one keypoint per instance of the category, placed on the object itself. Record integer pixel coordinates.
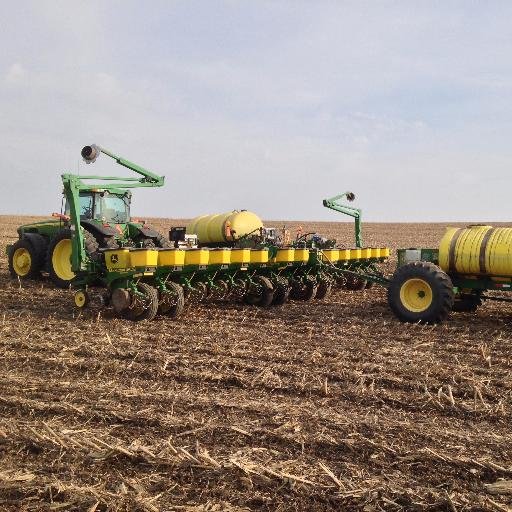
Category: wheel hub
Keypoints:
(416, 295)
(22, 262)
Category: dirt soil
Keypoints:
(329, 405)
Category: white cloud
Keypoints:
(15, 74)
(271, 108)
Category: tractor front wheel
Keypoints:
(420, 292)
(25, 260)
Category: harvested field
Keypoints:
(312, 406)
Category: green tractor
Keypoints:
(105, 223)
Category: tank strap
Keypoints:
(451, 252)
(483, 249)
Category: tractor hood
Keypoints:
(45, 227)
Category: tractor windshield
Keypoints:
(103, 207)
(112, 208)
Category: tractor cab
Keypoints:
(103, 207)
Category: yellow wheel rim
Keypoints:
(21, 261)
(80, 299)
(416, 295)
(61, 260)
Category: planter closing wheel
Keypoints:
(260, 293)
(281, 291)
(144, 304)
(172, 301)
(420, 292)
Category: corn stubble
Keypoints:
(330, 405)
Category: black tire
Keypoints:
(281, 291)
(420, 292)
(466, 303)
(143, 308)
(163, 242)
(260, 294)
(174, 308)
(152, 243)
(324, 289)
(94, 242)
(56, 275)
(92, 247)
(26, 258)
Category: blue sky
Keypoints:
(269, 106)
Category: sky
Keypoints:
(270, 106)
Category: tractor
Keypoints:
(103, 213)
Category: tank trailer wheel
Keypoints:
(172, 302)
(260, 293)
(25, 260)
(420, 292)
(143, 306)
(281, 291)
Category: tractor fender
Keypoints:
(95, 228)
(146, 231)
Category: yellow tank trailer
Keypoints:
(430, 283)
(226, 227)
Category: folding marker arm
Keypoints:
(74, 184)
(334, 203)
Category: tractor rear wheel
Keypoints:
(144, 305)
(93, 243)
(420, 292)
(58, 256)
(58, 260)
(172, 302)
(260, 293)
(26, 259)
(152, 243)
